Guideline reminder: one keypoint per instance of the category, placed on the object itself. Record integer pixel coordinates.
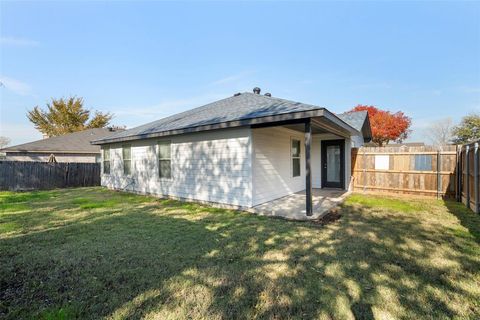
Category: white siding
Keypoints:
(241, 167)
(272, 164)
(210, 166)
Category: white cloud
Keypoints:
(19, 133)
(133, 116)
(232, 78)
(15, 86)
(18, 42)
(469, 89)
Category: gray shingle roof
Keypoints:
(239, 107)
(357, 119)
(77, 142)
(354, 119)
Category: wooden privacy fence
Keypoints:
(468, 178)
(17, 175)
(409, 170)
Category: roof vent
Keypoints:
(237, 94)
(256, 90)
(268, 94)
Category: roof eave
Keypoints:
(50, 151)
(320, 112)
(367, 136)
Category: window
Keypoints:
(106, 160)
(127, 159)
(295, 158)
(382, 162)
(164, 160)
(423, 162)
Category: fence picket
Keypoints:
(26, 175)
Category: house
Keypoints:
(241, 151)
(72, 147)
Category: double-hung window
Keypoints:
(127, 159)
(165, 159)
(106, 160)
(295, 158)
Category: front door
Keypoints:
(333, 164)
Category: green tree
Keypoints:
(468, 130)
(65, 116)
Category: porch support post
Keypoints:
(308, 172)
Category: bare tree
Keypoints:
(440, 132)
(4, 141)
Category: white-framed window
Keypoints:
(127, 159)
(106, 160)
(165, 159)
(295, 152)
(382, 162)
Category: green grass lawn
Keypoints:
(92, 253)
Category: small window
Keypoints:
(127, 159)
(295, 158)
(423, 162)
(106, 160)
(164, 160)
(382, 162)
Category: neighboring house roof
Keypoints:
(406, 144)
(77, 142)
(359, 120)
(239, 110)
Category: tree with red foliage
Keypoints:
(386, 126)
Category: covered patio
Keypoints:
(293, 207)
(310, 203)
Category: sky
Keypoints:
(143, 61)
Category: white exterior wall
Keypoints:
(272, 164)
(210, 166)
(353, 142)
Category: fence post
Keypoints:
(457, 168)
(475, 177)
(439, 181)
(364, 171)
(467, 175)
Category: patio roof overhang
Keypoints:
(326, 122)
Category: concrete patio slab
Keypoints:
(292, 207)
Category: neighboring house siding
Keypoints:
(209, 166)
(272, 164)
(43, 157)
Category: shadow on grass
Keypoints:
(182, 261)
(469, 219)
